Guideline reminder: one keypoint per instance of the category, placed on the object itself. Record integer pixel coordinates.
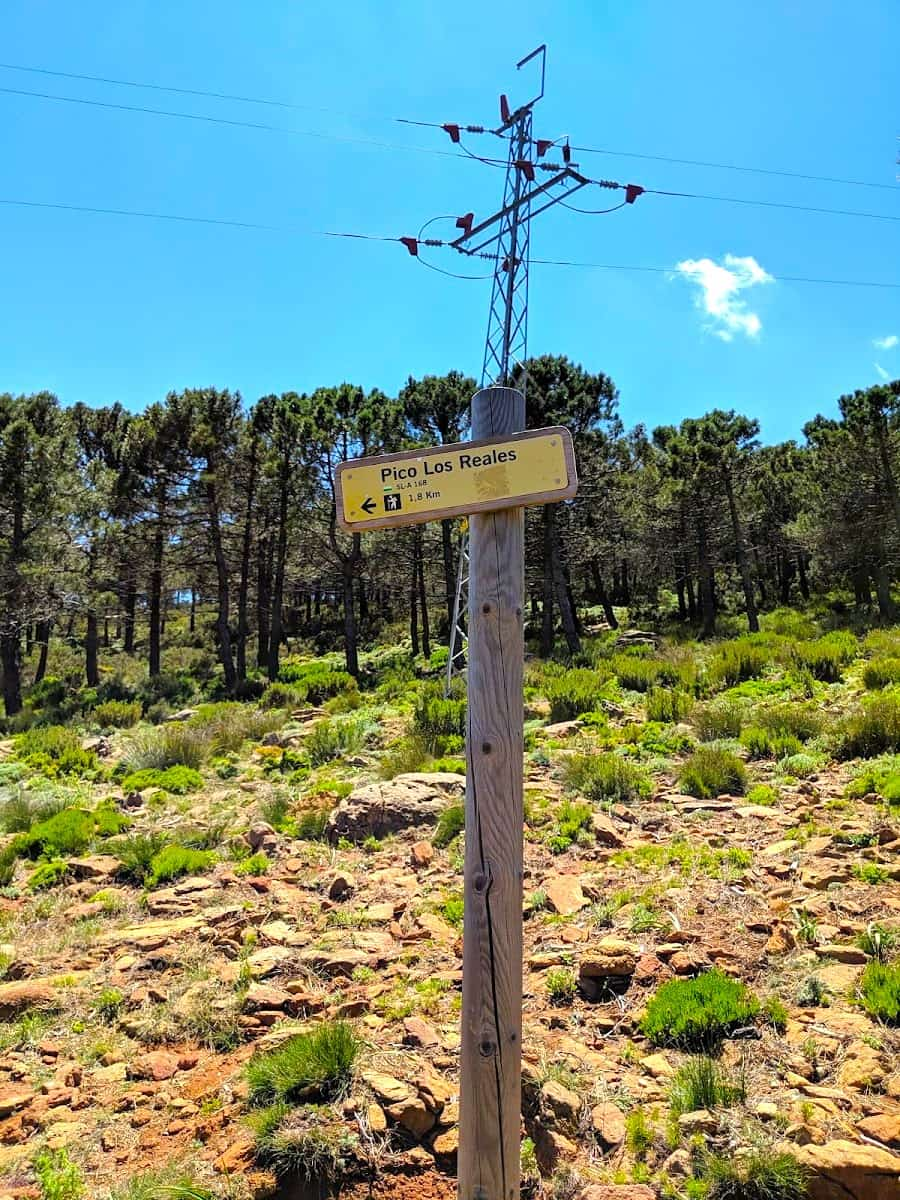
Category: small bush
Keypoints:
(721, 719)
(53, 740)
(135, 854)
(878, 941)
(69, 832)
(870, 873)
(328, 740)
(801, 721)
(881, 672)
(879, 991)
(108, 1004)
(762, 743)
(223, 728)
(48, 875)
(436, 716)
(763, 794)
(761, 1175)
(578, 691)
(873, 729)
(826, 657)
(702, 1083)
(174, 861)
(696, 1014)
(306, 1143)
(319, 680)
(282, 695)
(311, 822)
(118, 714)
(713, 772)
(177, 780)
(882, 778)
(59, 1177)
(606, 778)
(167, 686)
(316, 1064)
(634, 673)
(638, 1134)
(254, 864)
(409, 753)
(561, 985)
(667, 705)
(173, 745)
(451, 823)
(735, 661)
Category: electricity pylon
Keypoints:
(509, 231)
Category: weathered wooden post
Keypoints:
(491, 1051)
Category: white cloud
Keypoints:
(719, 287)
(882, 373)
(886, 343)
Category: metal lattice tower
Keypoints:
(509, 230)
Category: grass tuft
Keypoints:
(711, 771)
(697, 1014)
(318, 1064)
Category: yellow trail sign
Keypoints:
(536, 467)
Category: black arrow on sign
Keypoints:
(368, 505)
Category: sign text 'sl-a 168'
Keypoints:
(535, 467)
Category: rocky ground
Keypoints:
(127, 1015)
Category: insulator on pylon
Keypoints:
(566, 151)
(412, 245)
(632, 191)
(526, 168)
(453, 130)
(465, 223)
(543, 145)
(504, 109)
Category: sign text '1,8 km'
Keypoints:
(535, 467)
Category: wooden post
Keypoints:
(491, 1050)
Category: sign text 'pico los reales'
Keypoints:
(535, 467)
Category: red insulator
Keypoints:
(465, 223)
(504, 109)
(526, 168)
(453, 130)
(543, 145)
(412, 246)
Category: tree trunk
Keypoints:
(449, 573)
(105, 630)
(223, 598)
(760, 579)
(563, 596)
(263, 598)
(156, 581)
(707, 580)
(91, 664)
(11, 664)
(278, 586)
(890, 483)
(42, 636)
(886, 608)
(363, 603)
(624, 590)
(414, 595)
(128, 625)
(801, 571)
(547, 638)
(603, 596)
(861, 589)
(741, 553)
(423, 599)
(350, 635)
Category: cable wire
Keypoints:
(833, 212)
(594, 212)
(286, 104)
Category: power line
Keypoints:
(257, 125)
(372, 237)
(291, 106)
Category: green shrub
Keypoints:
(881, 672)
(636, 674)
(68, 832)
(801, 721)
(711, 771)
(763, 794)
(311, 822)
(282, 695)
(177, 780)
(870, 873)
(306, 1144)
(108, 820)
(436, 716)
(663, 704)
(702, 1083)
(329, 739)
(58, 1176)
(173, 745)
(171, 862)
(318, 1064)
(168, 686)
(761, 1175)
(48, 875)
(108, 1004)
(606, 778)
(721, 719)
(696, 1014)
(561, 985)
(319, 680)
(8, 857)
(826, 657)
(881, 778)
(735, 661)
(254, 864)
(52, 740)
(761, 743)
(222, 728)
(135, 854)
(638, 1134)
(451, 823)
(800, 765)
(879, 991)
(878, 941)
(118, 714)
(579, 691)
(873, 729)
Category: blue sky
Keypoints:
(102, 308)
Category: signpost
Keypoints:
(504, 471)
(490, 480)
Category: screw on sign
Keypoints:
(489, 479)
